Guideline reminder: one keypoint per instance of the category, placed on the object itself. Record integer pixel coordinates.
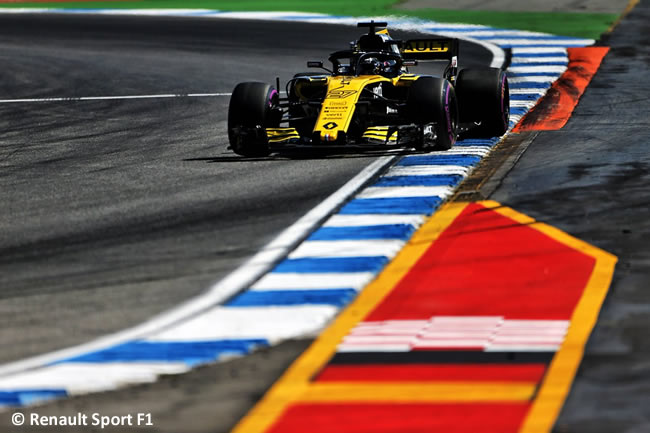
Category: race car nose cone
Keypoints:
(329, 136)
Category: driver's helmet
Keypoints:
(370, 66)
(389, 68)
(343, 70)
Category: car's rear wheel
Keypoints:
(433, 100)
(251, 110)
(484, 98)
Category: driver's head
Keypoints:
(389, 68)
(370, 66)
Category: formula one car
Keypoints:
(369, 98)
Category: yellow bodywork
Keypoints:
(341, 99)
(280, 135)
(380, 133)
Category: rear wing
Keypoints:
(430, 49)
(434, 49)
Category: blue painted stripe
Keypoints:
(331, 264)
(190, 353)
(257, 298)
(384, 231)
(400, 205)
(433, 180)
(524, 96)
(518, 111)
(530, 85)
(539, 64)
(477, 142)
(464, 160)
(29, 396)
(557, 53)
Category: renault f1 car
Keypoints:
(370, 98)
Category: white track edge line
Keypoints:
(237, 280)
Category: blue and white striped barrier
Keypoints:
(288, 291)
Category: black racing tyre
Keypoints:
(484, 97)
(433, 100)
(251, 110)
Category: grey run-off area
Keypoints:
(592, 180)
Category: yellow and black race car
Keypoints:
(369, 98)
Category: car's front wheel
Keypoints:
(251, 110)
(433, 101)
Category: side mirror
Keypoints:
(314, 64)
(410, 63)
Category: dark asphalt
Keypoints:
(115, 211)
(592, 180)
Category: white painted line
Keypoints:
(538, 92)
(346, 348)
(537, 331)
(525, 104)
(379, 339)
(427, 170)
(81, 378)
(534, 60)
(356, 248)
(112, 98)
(298, 281)
(515, 118)
(525, 339)
(542, 68)
(456, 333)
(421, 344)
(405, 191)
(392, 324)
(271, 323)
(339, 220)
(558, 334)
(467, 320)
(533, 79)
(239, 279)
(465, 150)
(538, 50)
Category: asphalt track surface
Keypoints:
(114, 211)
